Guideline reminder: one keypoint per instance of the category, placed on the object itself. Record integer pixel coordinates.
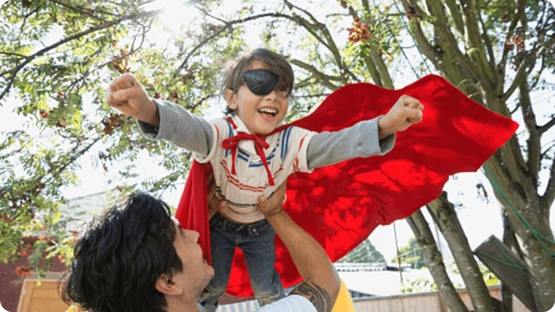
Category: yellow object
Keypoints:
(74, 308)
(344, 302)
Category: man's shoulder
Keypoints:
(291, 303)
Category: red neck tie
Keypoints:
(233, 142)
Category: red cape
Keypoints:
(340, 205)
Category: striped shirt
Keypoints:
(286, 154)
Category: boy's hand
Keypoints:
(272, 206)
(405, 112)
(127, 95)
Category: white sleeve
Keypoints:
(359, 140)
(221, 130)
(180, 127)
(291, 303)
(295, 141)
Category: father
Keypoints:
(137, 258)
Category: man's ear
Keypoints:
(231, 98)
(166, 286)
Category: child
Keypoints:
(250, 158)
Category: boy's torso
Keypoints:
(286, 154)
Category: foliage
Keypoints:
(411, 254)
(364, 253)
(57, 57)
(418, 285)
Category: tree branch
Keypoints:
(549, 194)
(77, 9)
(210, 15)
(442, 30)
(489, 48)
(543, 129)
(373, 70)
(202, 100)
(538, 75)
(14, 54)
(365, 5)
(308, 96)
(503, 63)
(374, 62)
(222, 29)
(456, 15)
(54, 172)
(13, 73)
(499, 172)
(521, 76)
(26, 17)
(329, 42)
(517, 106)
(534, 138)
(325, 79)
(475, 42)
(425, 46)
(434, 261)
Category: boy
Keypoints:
(250, 155)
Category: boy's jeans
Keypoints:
(256, 240)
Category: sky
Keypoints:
(479, 218)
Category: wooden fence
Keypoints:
(44, 298)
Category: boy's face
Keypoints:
(261, 114)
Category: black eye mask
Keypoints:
(260, 81)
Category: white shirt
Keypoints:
(291, 303)
(286, 154)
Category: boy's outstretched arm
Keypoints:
(404, 113)
(160, 120)
(321, 282)
(365, 138)
(129, 96)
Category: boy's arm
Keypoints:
(160, 120)
(360, 140)
(181, 128)
(366, 138)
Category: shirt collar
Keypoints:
(248, 146)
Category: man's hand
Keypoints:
(272, 206)
(127, 95)
(321, 282)
(404, 113)
(215, 204)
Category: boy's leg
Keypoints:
(260, 255)
(222, 247)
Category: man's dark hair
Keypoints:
(121, 256)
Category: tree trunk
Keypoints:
(540, 264)
(509, 240)
(445, 216)
(434, 262)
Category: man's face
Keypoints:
(196, 272)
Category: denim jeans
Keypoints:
(256, 240)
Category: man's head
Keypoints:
(257, 87)
(136, 258)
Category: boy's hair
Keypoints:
(121, 256)
(233, 75)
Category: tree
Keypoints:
(434, 262)
(490, 69)
(364, 253)
(488, 49)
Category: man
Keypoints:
(137, 258)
